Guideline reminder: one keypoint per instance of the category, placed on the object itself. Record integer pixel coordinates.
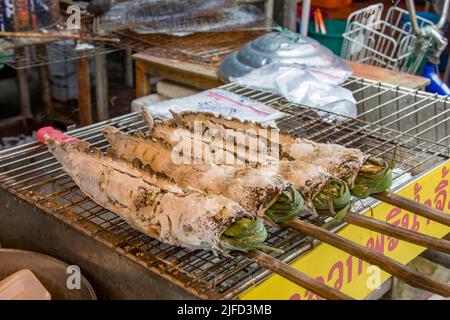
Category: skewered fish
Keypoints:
(311, 180)
(339, 161)
(255, 189)
(157, 207)
(365, 175)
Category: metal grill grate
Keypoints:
(208, 48)
(415, 123)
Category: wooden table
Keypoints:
(205, 76)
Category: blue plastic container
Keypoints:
(436, 85)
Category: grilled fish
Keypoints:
(338, 161)
(147, 201)
(254, 188)
(309, 179)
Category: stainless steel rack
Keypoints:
(413, 123)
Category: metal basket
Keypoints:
(129, 14)
(388, 43)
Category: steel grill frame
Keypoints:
(206, 48)
(31, 173)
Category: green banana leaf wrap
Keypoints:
(375, 176)
(287, 206)
(246, 234)
(335, 195)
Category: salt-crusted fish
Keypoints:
(365, 175)
(339, 161)
(317, 187)
(155, 206)
(256, 189)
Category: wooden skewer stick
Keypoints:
(414, 207)
(55, 36)
(395, 231)
(409, 275)
(296, 276)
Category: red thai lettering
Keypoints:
(295, 296)
(349, 264)
(441, 195)
(394, 213)
(339, 267)
(417, 189)
(392, 243)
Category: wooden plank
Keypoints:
(388, 76)
(195, 75)
(84, 91)
(205, 76)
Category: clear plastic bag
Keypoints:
(309, 86)
(217, 101)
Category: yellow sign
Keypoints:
(352, 275)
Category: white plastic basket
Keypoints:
(388, 43)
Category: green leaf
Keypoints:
(287, 207)
(246, 234)
(335, 195)
(375, 176)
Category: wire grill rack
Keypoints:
(413, 122)
(127, 14)
(207, 48)
(48, 52)
(235, 18)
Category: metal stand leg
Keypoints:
(84, 92)
(129, 76)
(268, 9)
(306, 7)
(24, 93)
(101, 87)
(45, 88)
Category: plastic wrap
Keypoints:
(310, 86)
(217, 101)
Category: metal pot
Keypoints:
(284, 47)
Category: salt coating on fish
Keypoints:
(253, 188)
(146, 201)
(337, 160)
(309, 179)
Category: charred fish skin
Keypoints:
(147, 202)
(307, 178)
(255, 189)
(339, 161)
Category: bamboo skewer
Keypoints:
(409, 275)
(414, 207)
(55, 36)
(397, 232)
(296, 276)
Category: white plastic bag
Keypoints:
(309, 86)
(217, 101)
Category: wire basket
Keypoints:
(131, 14)
(244, 17)
(388, 43)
